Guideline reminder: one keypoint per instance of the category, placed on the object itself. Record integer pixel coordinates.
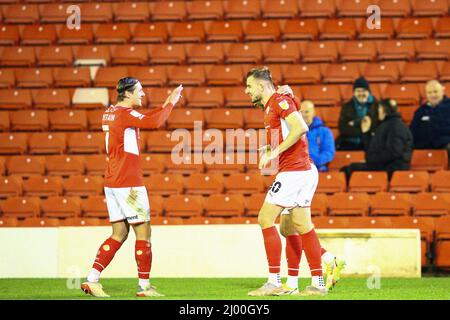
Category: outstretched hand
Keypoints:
(175, 96)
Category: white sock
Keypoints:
(275, 279)
(292, 282)
(328, 257)
(317, 281)
(93, 276)
(144, 283)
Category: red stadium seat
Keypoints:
(223, 75)
(204, 97)
(319, 205)
(395, 50)
(384, 32)
(64, 165)
(8, 78)
(168, 11)
(330, 115)
(374, 181)
(431, 204)
(344, 158)
(82, 36)
(204, 183)
(131, 12)
(183, 206)
(440, 181)
(204, 10)
(338, 29)
(51, 98)
(47, 143)
(443, 243)
(129, 54)
(37, 34)
(60, 56)
(160, 141)
(184, 165)
(10, 186)
(20, 13)
(94, 207)
(404, 94)
(17, 57)
(107, 77)
(149, 76)
(340, 73)
(356, 51)
(351, 204)
(445, 72)
(262, 30)
(315, 52)
(227, 31)
(244, 183)
(157, 96)
(381, 72)
(430, 8)
(39, 222)
(277, 52)
(390, 204)
(409, 181)
(301, 74)
(83, 186)
(224, 118)
(418, 71)
(322, 95)
(317, 9)
(279, 9)
(243, 52)
(353, 8)
(34, 78)
(15, 99)
(245, 9)
(429, 160)
(95, 164)
(187, 32)
(253, 204)
(155, 32)
(164, 184)
(332, 222)
(4, 121)
(226, 164)
(80, 222)
(86, 142)
(432, 49)
(236, 97)
(25, 165)
(96, 12)
(414, 28)
(13, 143)
(221, 205)
(442, 28)
(184, 118)
(68, 119)
(331, 182)
(205, 53)
(294, 29)
(153, 163)
(8, 222)
(61, 207)
(156, 205)
(72, 77)
(167, 54)
(254, 118)
(21, 207)
(395, 8)
(96, 54)
(9, 35)
(192, 75)
(41, 186)
(35, 120)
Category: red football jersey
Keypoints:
(121, 126)
(296, 158)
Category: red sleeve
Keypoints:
(146, 120)
(284, 106)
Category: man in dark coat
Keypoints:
(431, 123)
(389, 148)
(362, 104)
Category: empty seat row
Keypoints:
(247, 52)
(206, 10)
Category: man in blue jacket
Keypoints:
(320, 138)
(431, 123)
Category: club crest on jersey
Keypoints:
(284, 104)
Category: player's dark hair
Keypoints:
(389, 106)
(262, 73)
(126, 84)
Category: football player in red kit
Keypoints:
(294, 185)
(126, 195)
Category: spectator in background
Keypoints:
(362, 104)
(430, 126)
(320, 138)
(389, 148)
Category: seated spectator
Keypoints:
(389, 148)
(320, 138)
(362, 104)
(430, 126)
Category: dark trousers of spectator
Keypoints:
(348, 146)
(448, 152)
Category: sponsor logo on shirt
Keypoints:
(284, 104)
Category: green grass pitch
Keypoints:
(228, 289)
